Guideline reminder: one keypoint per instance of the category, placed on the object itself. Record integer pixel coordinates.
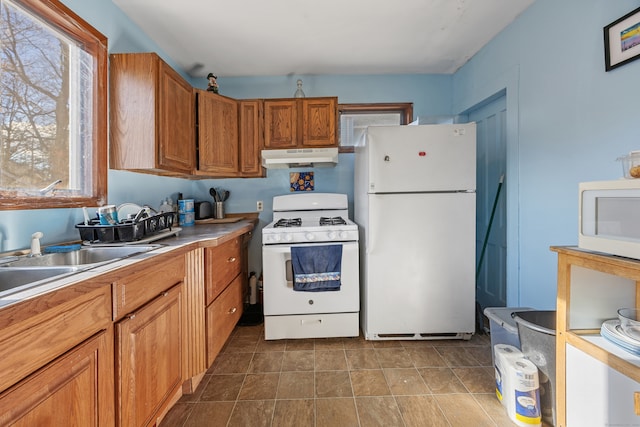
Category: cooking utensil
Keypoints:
(225, 195)
(214, 194)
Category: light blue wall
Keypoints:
(431, 95)
(568, 120)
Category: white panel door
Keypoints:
(420, 264)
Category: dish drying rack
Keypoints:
(148, 229)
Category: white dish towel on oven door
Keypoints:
(316, 268)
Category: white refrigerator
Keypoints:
(415, 203)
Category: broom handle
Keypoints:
(486, 236)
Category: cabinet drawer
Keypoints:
(75, 389)
(222, 316)
(29, 345)
(133, 290)
(222, 265)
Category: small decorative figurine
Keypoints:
(213, 84)
(299, 92)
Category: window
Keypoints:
(354, 119)
(53, 107)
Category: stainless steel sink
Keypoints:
(11, 278)
(85, 256)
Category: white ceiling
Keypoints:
(281, 37)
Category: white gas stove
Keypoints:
(310, 220)
(309, 217)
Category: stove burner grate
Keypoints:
(288, 222)
(336, 220)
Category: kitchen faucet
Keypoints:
(35, 243)
(49, 187)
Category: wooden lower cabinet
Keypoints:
(597, 382)
(222, 264)
(149, 360)
(222, 315)
(75, 389)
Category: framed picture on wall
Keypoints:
(622, 40)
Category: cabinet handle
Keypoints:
(131, 316)
(164, 294)
(232, 259)
(233, 310)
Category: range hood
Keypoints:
(299, 157)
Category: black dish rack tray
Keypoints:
(95, 232)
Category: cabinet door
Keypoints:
(151, 116)
(319, 122)
(76, 389)
(217, 134)
(222, 265)
(149, 359)
(251, 137)
(176, 149)
(281, 123)
(222, 316)
(132, 112)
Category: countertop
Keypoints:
(189, 238)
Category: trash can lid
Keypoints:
(539, 320)
(503, 316)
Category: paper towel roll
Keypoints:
(523, 381)
(502, 353)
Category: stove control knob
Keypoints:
(343, 234)
(288, 237)
(276, 237)
(310, 236)
(331, 235)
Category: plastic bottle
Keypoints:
(165, 207)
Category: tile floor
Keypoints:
(336, 382)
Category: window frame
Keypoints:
(95, 44)
(404, 108)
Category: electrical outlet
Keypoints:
(259, 205)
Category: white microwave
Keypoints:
(609, 217)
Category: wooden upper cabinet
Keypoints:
(302, 122)
(251, 137)
(281, 123)
(152, 116)
(217, 134)
(319, 117)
